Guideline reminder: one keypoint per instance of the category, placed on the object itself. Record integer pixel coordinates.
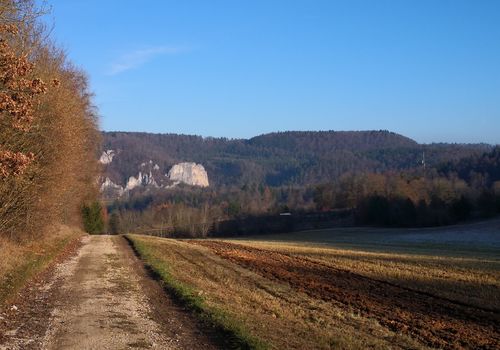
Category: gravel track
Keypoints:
(101, 298)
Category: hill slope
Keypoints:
(276, 159)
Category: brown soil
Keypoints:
(100, 298)
(435, 321)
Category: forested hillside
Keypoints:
(276, 159)
(481, 170)
(371, 177)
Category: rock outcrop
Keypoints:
(107, 156)
(189, 173)
(110, 189)
(141, 180)
(150, 176)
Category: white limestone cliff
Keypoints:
(189, 173)
(140, 180)
(107, 156)
(110, 186)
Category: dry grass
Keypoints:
(271, 311)
(474, 281)
(21, 261)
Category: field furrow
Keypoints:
(434, 321)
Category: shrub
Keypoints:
(93, 218)
(114, 223)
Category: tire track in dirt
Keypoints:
(436, 322)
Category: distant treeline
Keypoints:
(403, 212)
(418, 197)
(256, 224)
(281, 223)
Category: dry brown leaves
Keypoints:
(18, 99)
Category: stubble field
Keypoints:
(292, 291)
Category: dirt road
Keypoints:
(101, 299)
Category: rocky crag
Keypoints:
(150, 175)
(189, 173)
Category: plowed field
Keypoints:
(435, 321)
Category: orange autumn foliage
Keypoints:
(48, 128)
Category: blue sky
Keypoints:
(427, 69)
